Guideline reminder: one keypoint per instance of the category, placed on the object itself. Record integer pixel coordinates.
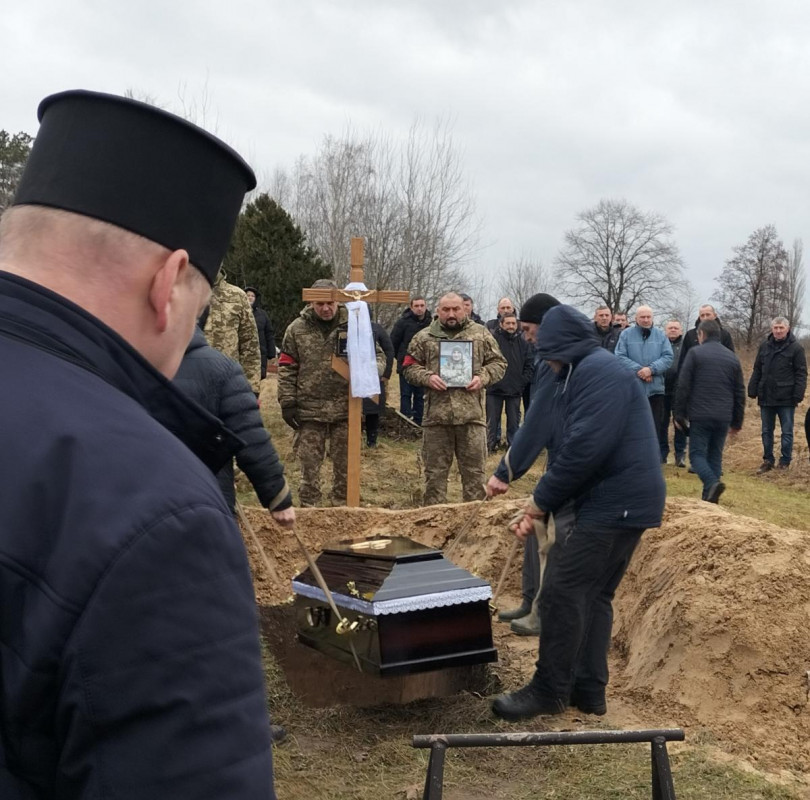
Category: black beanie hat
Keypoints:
(534, 309)
(140, 168)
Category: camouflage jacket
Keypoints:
(454, 406)
(306, 380)
(231, 329)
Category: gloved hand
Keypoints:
(290, 416)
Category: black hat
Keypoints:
(534, 309)
(140, 168)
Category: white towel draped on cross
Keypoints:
(364, 378)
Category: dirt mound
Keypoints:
(712, 630)
(712, 626)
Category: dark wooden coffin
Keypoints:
(409, 608)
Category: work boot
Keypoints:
(766, 466)
(515, 613)
(715, 490)
(783, 465)
(525, 703)
(589, 703)
(680, 461)
(528, 625)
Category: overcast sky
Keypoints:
(695, 110)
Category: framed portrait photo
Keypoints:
(456, 362)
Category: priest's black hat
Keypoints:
(138, 167)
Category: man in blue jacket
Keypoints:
(647, 351)
(129, 644)
(606, 464)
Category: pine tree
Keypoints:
(269, 251)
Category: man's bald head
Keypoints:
(644, 317)
(148, 294)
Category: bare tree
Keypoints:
(619, 256)
(410, 201)
(753, 285)
(794, 285)
(685, 309)
(522, 277)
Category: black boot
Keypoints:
(515, 613)
(589, 703)
(525, 703)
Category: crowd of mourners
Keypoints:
(129, 643)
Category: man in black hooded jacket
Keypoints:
(607, 464)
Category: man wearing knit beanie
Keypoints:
(535, 435)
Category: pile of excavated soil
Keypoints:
(712, 627)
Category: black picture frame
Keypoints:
(456, 362)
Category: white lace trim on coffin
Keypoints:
(400, 605)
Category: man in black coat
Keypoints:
(607, 333)
(505, 306)
(508, 391)
(219, 385)
(710, 402)
(690, 339)
(267, 341)
(674, 333)
(129, 644)
(778, 382)
(413, 320)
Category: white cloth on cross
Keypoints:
(363, 375)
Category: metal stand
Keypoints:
(662, 787)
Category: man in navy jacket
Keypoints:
(129, 643)
(710, 402)
(606, 463)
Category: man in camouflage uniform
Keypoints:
(314, 398)
(455, 418)
(230, 327)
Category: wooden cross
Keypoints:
(341, 366)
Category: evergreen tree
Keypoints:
(269, 251)
(14, 151)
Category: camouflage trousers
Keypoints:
(310, 448)
(469, 445)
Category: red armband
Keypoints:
(285, 360)
(410, 360)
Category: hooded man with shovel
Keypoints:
(607, 464)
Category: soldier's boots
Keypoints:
(528, 625)
(515, 613)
